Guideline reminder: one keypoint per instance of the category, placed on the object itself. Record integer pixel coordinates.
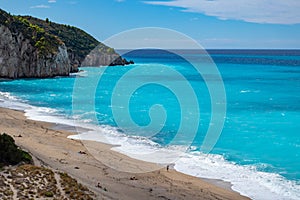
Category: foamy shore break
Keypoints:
(53, 149)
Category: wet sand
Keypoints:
(51, 147)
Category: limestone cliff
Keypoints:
(34, 48)
(19, 59)
(83, 49)
(27, 50)
(100, 57)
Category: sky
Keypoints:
(214, 24)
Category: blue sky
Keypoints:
(213, 23)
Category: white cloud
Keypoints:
(40, 6)
(257, 11)
(51, 1)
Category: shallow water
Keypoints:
(258, 150)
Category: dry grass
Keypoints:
(5, 190)
(73, 189)
(32, 182)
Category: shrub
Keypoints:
(10, 154)
(48, 194)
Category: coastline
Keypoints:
(53, 149)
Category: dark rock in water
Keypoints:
(121, 61)
(34, 48)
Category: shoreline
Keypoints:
(71, 129)
(50, 145)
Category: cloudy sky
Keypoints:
(213, 23)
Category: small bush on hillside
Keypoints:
(10, 154)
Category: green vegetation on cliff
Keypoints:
(35, 48)
(46, 43)
(78, 42)
(10, 154)
(47, 35)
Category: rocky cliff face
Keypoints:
(19, 59)
(27, 51)
(83, 49)
(34, 48)
(102, 58)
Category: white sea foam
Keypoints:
(33, 112)
(249, 91)
(7, 96)
(245, 91)
(149, 151)
(80, 74)
(245, 179)
(9, 101)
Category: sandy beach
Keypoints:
(51, 148)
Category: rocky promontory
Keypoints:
(35, 48)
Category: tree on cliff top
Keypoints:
(46, 43)
(78, 42)
(45, 35)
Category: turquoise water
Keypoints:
(260, 141)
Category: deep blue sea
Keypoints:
(258, 149)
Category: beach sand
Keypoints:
(51, 148)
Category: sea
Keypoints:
(163, 102)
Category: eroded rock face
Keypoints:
(100, 58)
(19, 59)
(34, 48)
